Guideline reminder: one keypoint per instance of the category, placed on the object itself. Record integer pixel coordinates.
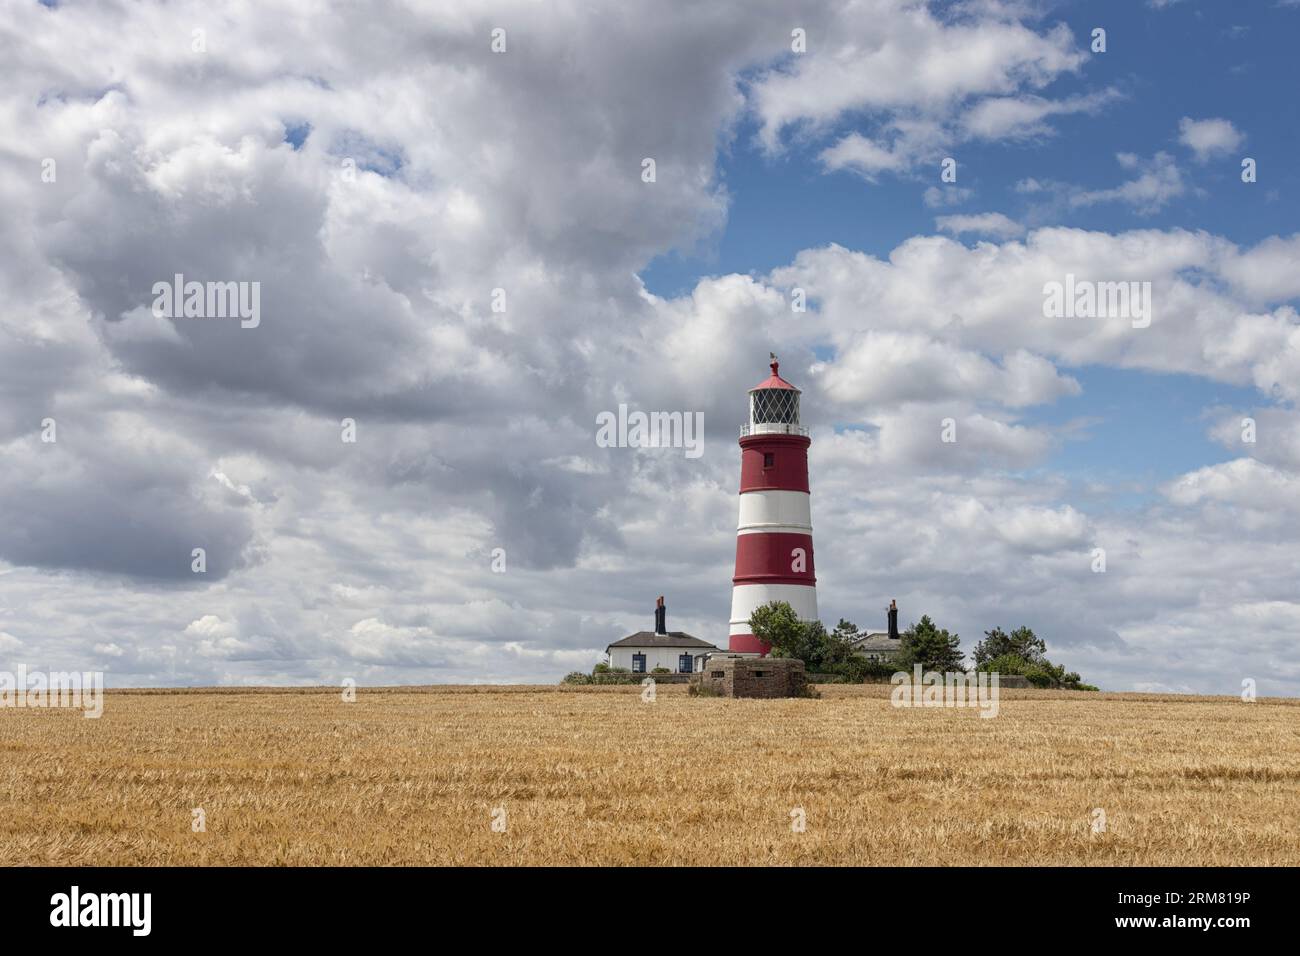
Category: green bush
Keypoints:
(576, 677)
(1007, 664)
(601, 668)
(1025, 653)
(660, 670)
(1040, 671)
(618, 676)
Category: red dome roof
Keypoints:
(775, 380)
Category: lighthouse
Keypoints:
(774, 550)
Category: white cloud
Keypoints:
(1158, 181)
(1021, 117)
(1209, 138)
(894, 56)
(475, 428)
(862, 155)
(875, 369)
(1243, 482)
(911, 76)
(1217, 308)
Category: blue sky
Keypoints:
(1185, 59)
(1217, 59)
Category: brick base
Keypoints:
(752, 677)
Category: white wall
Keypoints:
(746, 597)
(654, 656)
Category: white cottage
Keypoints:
(643, 651)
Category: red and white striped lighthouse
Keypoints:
(774, 551)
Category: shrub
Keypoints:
(1040, 672)
(660, 670)
(1007, 664)
(1000, 651)
(576, 677)
(618, 676)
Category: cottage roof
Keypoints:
(671, 639)
(876, 641)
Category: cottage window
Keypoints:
(684, 664)
(638, 663)
(717, 673)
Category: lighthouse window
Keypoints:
(769, 459)
(775, 406)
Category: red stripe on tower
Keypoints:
(774, 552)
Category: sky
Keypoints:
(392, 468)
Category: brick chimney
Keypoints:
(661, 616)
(893, 620)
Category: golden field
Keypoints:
(589, 775)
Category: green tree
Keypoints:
(821, 651)
(816, 646)
(1022, 652)
(1022, 642)
(775, 623)
(930, 646)
(845, 631)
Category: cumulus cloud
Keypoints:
(1021, 117)
(1158, 181)
(1218, 310)
(1209, 138)
(381, 192)
(880, 368)
(863, 155)
(921, 81)
(896, 55)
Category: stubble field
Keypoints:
(592, 775)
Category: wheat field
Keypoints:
(597, 775)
